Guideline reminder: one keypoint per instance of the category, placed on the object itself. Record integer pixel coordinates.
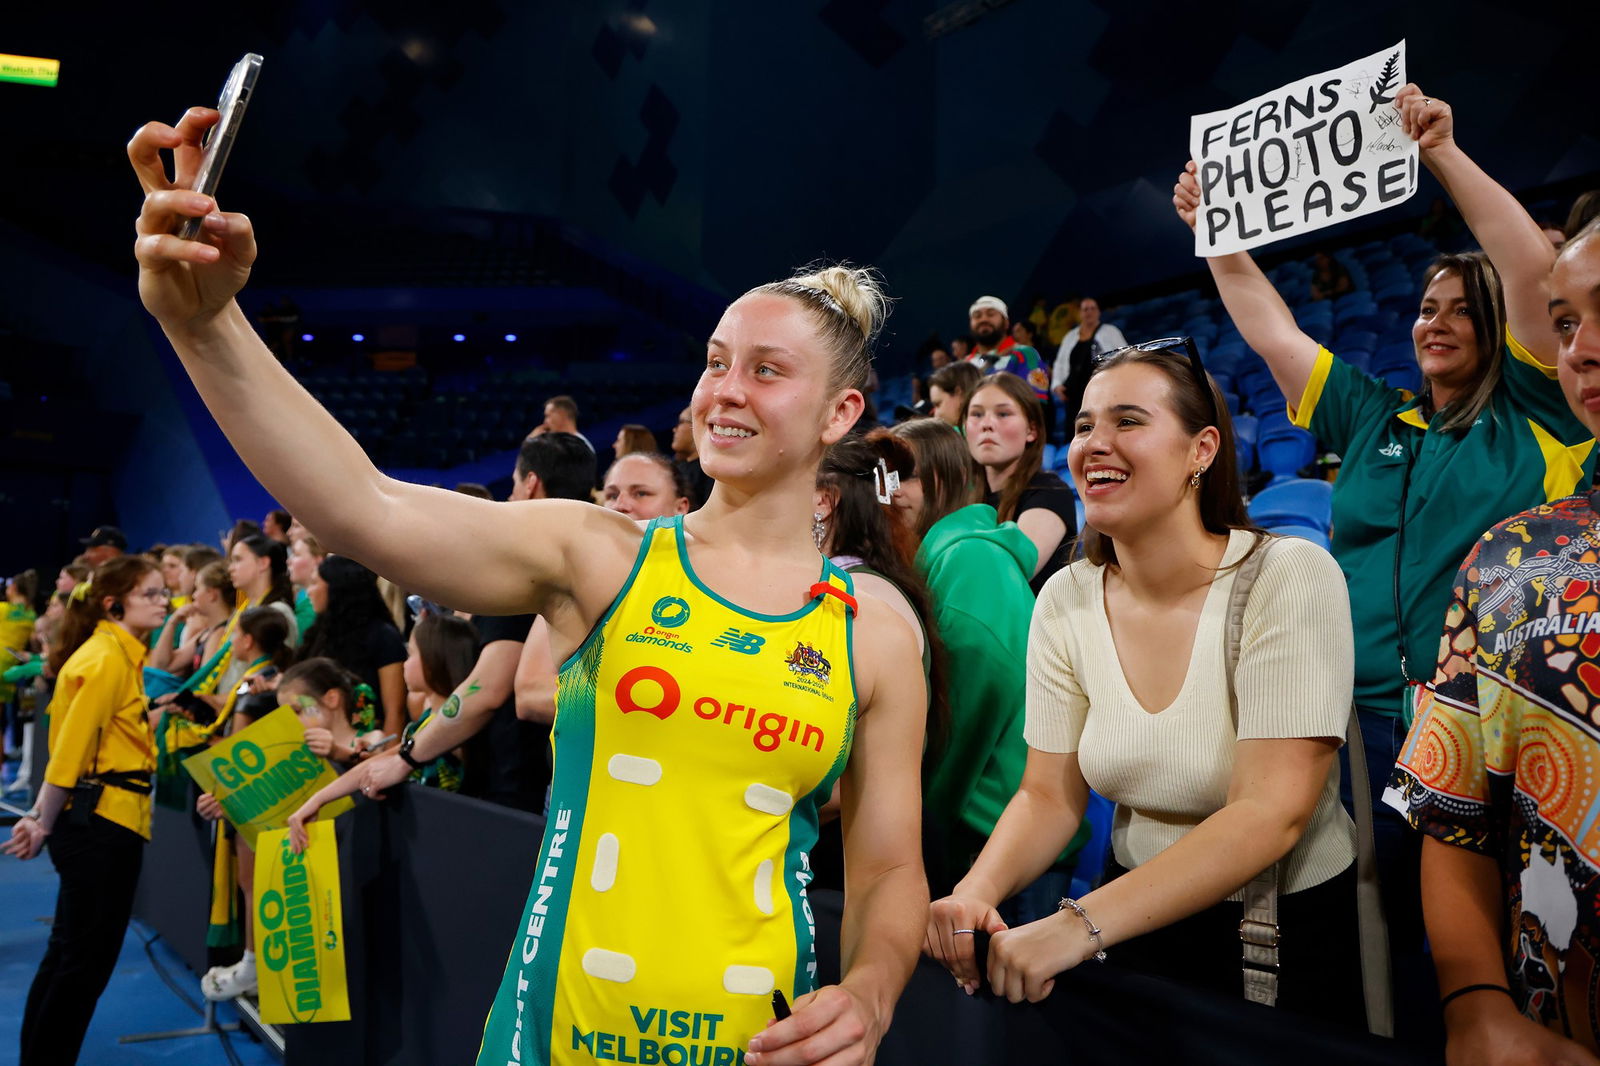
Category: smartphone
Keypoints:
(219, 139)
(200, 712)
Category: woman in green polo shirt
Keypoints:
(1489, 435)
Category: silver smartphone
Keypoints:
(236, 93)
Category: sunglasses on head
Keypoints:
(1172, 346)
(419, 606)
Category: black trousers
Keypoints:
(1319, 958)
(99, 869)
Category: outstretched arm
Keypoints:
(454, 548)
(1264, 320)
(1510, 237)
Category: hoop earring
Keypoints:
(819, 532)
(1194, 478)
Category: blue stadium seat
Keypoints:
(1245, 428)
(1264, 397)
(1297, 501)
(1092, 859)
(1403, 377)
(1396, 364)
(1278, 416)
(1285, 449)
(1354, 338)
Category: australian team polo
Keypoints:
(1526, 448)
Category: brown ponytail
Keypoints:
(116, 578)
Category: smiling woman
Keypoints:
(1423, 475)
(1127, 669)
(783, 377)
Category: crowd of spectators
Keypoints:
(1048, 651)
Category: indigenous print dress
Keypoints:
(1504, 755)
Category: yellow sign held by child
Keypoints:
(299, 925)
(263, 773)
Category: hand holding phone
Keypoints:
(384, 743)
(236, 93)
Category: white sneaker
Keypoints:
(227, 982)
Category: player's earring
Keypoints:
(819, 532)
(1194, 478)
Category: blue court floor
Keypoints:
(136, 1001)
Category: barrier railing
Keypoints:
(434, 886)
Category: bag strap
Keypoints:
(1258, 928)
(1377, 980)
(1258, 931)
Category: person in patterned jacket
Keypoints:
(1499, 768)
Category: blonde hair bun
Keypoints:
(858, 291)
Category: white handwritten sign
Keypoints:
(1315, 152)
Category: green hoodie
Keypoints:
(977, 572)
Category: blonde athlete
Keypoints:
(693, 825)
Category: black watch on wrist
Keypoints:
(405, 751)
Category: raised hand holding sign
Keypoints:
(1317, 151)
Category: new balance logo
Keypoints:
(741, 642)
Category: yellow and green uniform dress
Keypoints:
(16, 629)
(695, 742)
(1524, 449)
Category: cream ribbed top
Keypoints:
(1167, 772)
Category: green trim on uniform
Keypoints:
(1525, 449)
(694, 579)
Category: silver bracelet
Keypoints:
(1088, 923)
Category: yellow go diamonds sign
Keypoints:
(263, 773)
(299, 938)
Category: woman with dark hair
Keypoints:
(94, 805)
(633, 438)
(645, 485)
(1130, 671)
(276, 525)
(1006, 436)
(354, 629)
(440, 653)
(977, 571)
(72, 575)
(860, 530)
(949, 388)
(331, 699)
(1488, 436)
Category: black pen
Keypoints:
(780, 1006)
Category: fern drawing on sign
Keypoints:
(1385, 83)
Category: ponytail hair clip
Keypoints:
(80, 591)
(885, 481)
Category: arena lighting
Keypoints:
(511, 338)
(358, 337)
(459, 337)
(307, 337)
(29, 70)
